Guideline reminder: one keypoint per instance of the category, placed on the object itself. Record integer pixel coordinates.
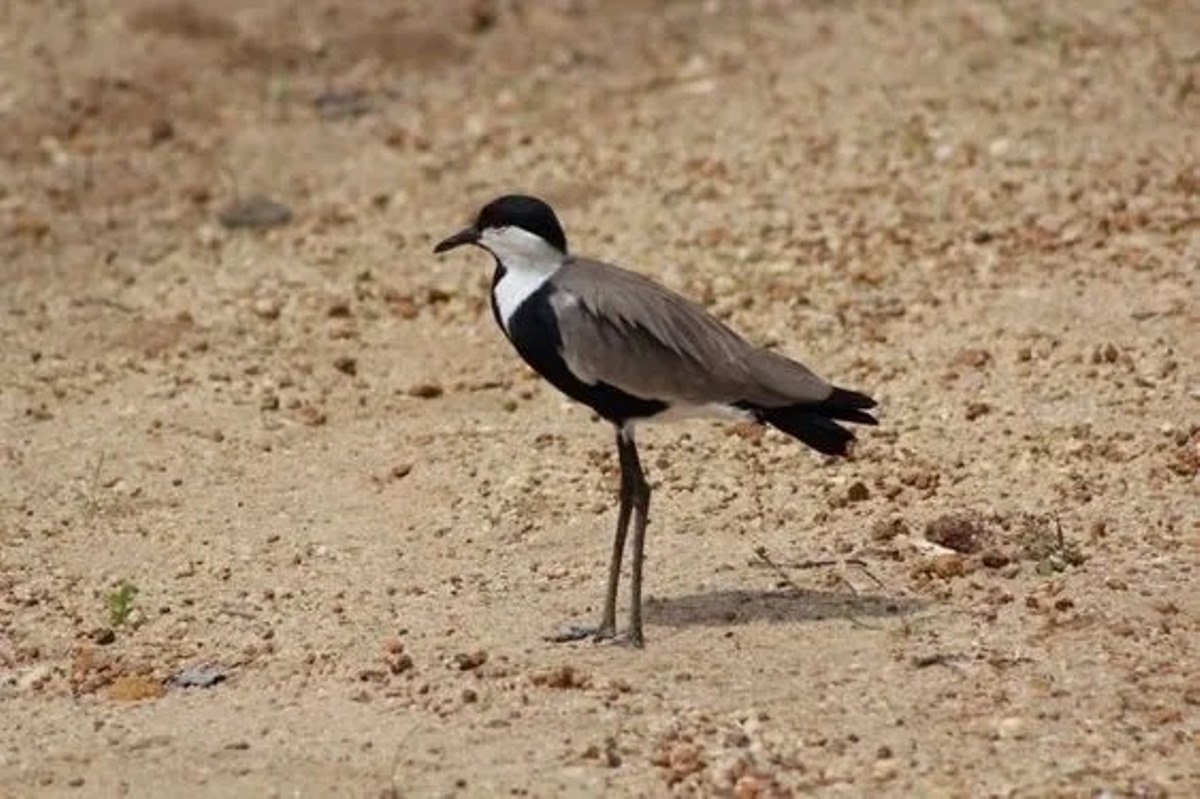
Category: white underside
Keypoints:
(677, 413)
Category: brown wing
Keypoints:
(623, 329)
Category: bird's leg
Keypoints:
(608, 622)
(639, 497)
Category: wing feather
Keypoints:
(625, 330)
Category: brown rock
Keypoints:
(977, 409)
(962, 532)
(858, 492)
(995, 559)
(973, 358)
(466, 661)
(426, 391)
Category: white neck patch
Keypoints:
(528, 260)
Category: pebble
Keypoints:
(204, 675)
(885, 769)
(1010, 727)
(995, 559)
(858, 492)
(426, 391)
(974, 358)
(35, 677)
(466, 661)
(267, 307)
(256, 212)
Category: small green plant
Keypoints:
(120, 602)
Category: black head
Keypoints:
(512, 210)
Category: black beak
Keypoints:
(465, 236)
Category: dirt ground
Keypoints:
(299, 462)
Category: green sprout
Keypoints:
(120, 602)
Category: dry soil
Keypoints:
(296, 459)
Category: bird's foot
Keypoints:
(602, 633)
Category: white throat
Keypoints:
(528, 261)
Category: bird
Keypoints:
(635, 351)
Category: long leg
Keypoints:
(633, 484)
(608, 623)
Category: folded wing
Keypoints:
(620, 328)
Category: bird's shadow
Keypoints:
(726, 607)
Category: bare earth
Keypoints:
(305, 457)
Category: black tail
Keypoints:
(814, 423)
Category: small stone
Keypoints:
(268, 307)
(483, 16)
(204, 675)
(469, 696)
(962, 532)
(887, 529)
(404, 306)
(684, 759)
(995, 559)
(342, 104)
(974, 358)
(401, 470)
(347, 365)
(426, 391)
(103, 636)
(976, 410)
(398, 662)
(757, 785)
(161, 130)
(884, 770)
(858, 492)
(256, 212)
(312, 416)
(1010, 727)
(467, 661)
(35, 678)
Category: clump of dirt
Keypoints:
(974, 539)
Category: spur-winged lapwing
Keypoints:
(634, 351)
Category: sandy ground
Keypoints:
(304, 457)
